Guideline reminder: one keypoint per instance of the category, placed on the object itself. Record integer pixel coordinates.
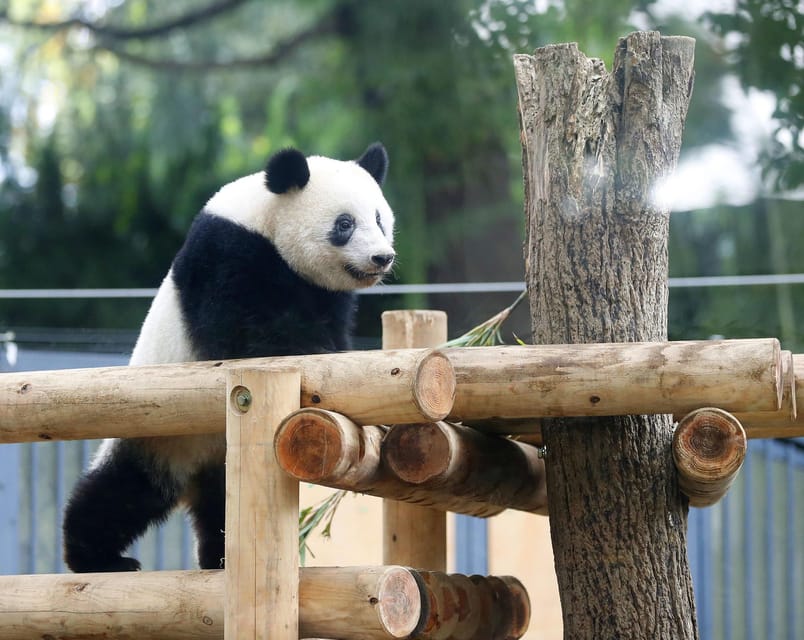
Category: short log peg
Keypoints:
(709, 447)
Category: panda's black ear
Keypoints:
(375, 161)
(286, 169)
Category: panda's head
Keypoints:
(329, 219)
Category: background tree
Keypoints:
(768, 54)
(144, 108)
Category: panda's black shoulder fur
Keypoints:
(240, 299)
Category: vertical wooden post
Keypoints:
(262, 509)
(414, 536)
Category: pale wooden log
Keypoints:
(615, 379)
(782, 423)
(771, 425)
(374, 602)
(326, 448)
(359, 603)
(371, 603)
(413, 329)
(785, 423)
(262, 509)
(169, 605)
(371, 387)
(413, 535)
(463, 462)
(708, 449)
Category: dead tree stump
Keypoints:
(595, 144)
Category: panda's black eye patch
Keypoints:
(379, 222)
(342, 230)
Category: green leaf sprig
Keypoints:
(310, 517)
(487, 333)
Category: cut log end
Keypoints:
(520, 606)
(399, 603)
(311, 445)
(434, 386)
(708, 448)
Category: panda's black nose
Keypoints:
(383, 260)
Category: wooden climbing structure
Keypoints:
(324, 419)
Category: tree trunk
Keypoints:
(594, 146)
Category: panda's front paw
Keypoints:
(98, 565)
(126, 564)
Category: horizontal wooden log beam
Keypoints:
(372, 387)
(500, 389)
(326, 448)
(785, 422)
(708, 448)
(361, 603)
(172, 605)
(615, 379)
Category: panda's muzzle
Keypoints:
(383, 262)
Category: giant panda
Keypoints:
(269, 267)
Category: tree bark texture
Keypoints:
(595, 145)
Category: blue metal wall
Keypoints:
(747, 552)
(471, 545)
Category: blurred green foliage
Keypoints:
(768, 54)
(119, 118)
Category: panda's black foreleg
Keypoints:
(206, 498)
(111, 506)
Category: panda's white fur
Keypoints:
(163, 336)
(269, 268)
